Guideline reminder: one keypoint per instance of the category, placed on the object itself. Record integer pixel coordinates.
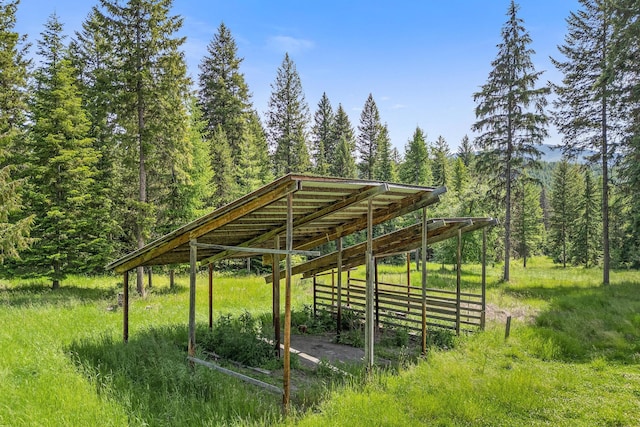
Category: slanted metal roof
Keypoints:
(400, 241)
(324, 209)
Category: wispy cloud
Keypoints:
(398, 106)
(289, 44)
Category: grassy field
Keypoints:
(572, 358)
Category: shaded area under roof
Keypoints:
(400, 241)
(324, 209)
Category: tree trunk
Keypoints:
(172, 279)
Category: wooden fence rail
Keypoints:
(399, 305)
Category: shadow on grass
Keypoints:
(152, 380)
(587, 323)
(35, 294)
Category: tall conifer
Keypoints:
(416, 168)
(510, 117)
(368, 138)
(322, 136)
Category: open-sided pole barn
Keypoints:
(306, 210)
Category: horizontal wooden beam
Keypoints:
(245, 378)
(253, 250)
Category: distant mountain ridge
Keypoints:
(551, 154)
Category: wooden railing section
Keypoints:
(399, 305)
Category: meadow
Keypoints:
(571, 359)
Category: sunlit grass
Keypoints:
(62, 360)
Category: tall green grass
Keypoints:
(62, 360)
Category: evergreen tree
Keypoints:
(564, 210)
(287, 120)
(385, 168)
(342, 129)
(587, 245)
(528, 226)
(584, 108)
(254, 165)
(225, 188)
(368, 138)
(344, 165)
(322, 136)
(150, 92)
(440, 164)
(466, 152)
(460, 177)
(61, 164)
(416, 168)
(14, 226)
(624, 67)
(511, 118)
(224, 95)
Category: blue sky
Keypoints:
(422, 60)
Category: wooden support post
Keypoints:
(376, 294)
(333, 288)
(484, 279)
(275, 266)
(507, 329)
(150, 276)
(458, 268)
(408, 281)
(339, 313)
(125, 307)
(287, 308)
(369, 331)
(172, 278)
(210, 296)
(423, 252)
(193, 260)
(349, 288)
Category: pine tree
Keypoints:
(416, 168)
(368, 138)
(511, 118)
(528, 227)
(344, 165)
(287, 121)
(385, 168)
(624, 67)
(322, 136)
(466, 152)
(587, 246)
(440, 164)
(342, 130)
(14, 225)
(584, 108)
(460, 178)
(254, 165)
(225, 186)
(62, 166)
(224, 95)
(564, 210)
(150, 92)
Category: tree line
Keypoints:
(106, 143)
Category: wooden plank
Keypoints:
(210, 297)
(364, 194)
(254, 250)
(423, 253)
(245, 378)
(458, 280)
(287, 309)
(369, 327)
(192, 298)
(276, 298)
(200, 227)
(125, 307)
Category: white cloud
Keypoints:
(289, 44)
(398, 106)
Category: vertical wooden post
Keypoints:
(369, 331)
(210, 296)
(507, 328)
(423, 253)
(172, 278)
(376, 294)
(339, 314)
(333, 288)
(287, 306)
(193, 261)
(275, 266)
(458, 268)
(150, 276)
(484, 279)
(349, 288)
(408, 281)
(125, 308)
